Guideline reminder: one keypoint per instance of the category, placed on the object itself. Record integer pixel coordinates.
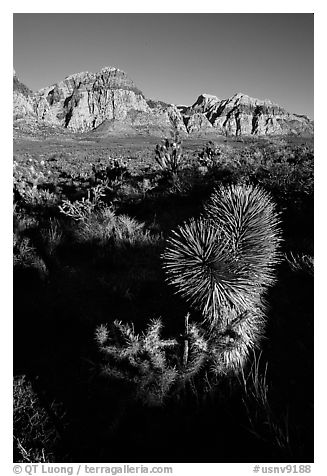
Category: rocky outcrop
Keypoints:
(23, 104)
(168, 115)
(159, 120)
(243, 115)
(202, 104)
(83, 101)
(109, 102)
(198, 124)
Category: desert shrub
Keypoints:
(23, 220)
(30, 185)
(288, 181)
(32, 172)
(284, 170)
(138, 359)
(154, 368)
(23, 249)
(52, 235)
(127, 227)
(37, 197)
(81, 210)
(35, 433)
(105, 226)
(25, 255)
(209, 155)
(222, 263)
(98, 222)
(146, 185)
(115, 170)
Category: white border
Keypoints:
(320, 198)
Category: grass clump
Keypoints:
(263, 421)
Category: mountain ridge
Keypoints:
(84, 101)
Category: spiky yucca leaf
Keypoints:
(247, 215)
(225, 259)
(200, 262)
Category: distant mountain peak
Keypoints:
(203, 102)
(84, 101)
(208, 96)
(106, 70)
(19, 87)
(110, 69)
(239, 95)
(246, 99)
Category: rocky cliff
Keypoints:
(83, 101)
(23, 104)
(243, 115)
(109, 102)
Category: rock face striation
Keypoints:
(23, 104)
(243, 115)
(109, 102)
(83, 101)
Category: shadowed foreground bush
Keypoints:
(222, 263)
(35, 430)
(151, 366)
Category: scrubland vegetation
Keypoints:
(163, 300)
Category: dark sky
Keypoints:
(175, 57)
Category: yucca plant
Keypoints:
(222, 263)
(226, 258)
(199, 261)
(247, 216)
(240, 334)
(169, 154)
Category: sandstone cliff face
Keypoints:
(203, 104)
(198, 124)
(23, 105)
(109, 102)
(166, 116)
(243, 115)
(83, 101)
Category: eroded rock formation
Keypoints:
(243, 115)
(109, 102)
